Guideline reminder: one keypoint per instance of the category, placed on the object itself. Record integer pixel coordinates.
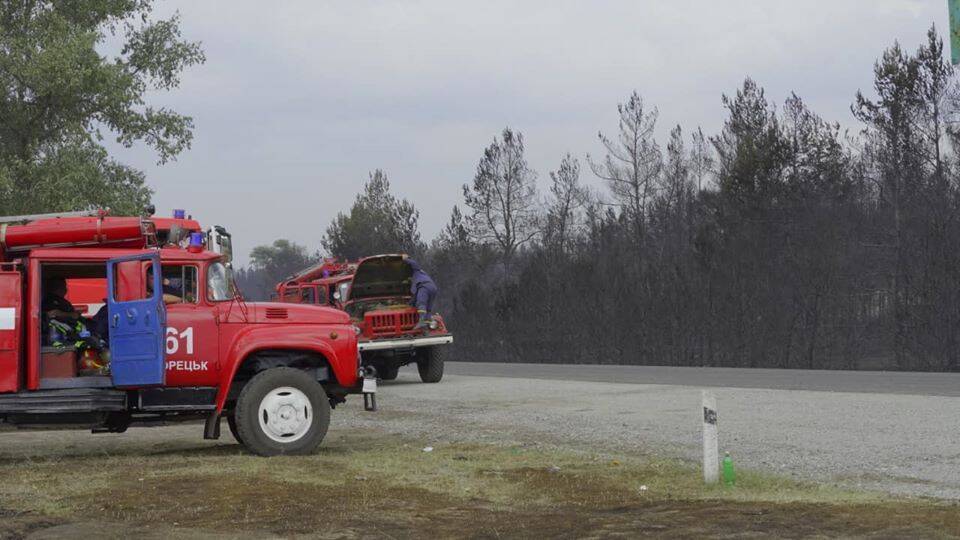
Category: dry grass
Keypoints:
(386, 486)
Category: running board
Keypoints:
(407, 343)
(64, 401)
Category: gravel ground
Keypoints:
(902, 444)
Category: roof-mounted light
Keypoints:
(196, 242)
(179, 213)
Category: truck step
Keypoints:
(64, 401)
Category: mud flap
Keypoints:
(370, 392)
(211, 430)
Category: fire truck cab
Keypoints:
(327, 284)
(182, 343)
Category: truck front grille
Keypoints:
(395, 323)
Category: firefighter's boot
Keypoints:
(423, 325)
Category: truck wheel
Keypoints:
(430, 365)
(388, 373)
(282, 411)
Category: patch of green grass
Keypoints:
(388, 483)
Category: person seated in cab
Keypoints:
(62, 322)
(55, 305)
(172, 288)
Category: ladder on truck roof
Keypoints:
(82, 228)
(314, 272)
(34, 217)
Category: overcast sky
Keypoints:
(298, 101)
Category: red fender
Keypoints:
(340, 352)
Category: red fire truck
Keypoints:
(375, 292)
(198, 351)
(325, 284)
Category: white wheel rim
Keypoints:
(285, 414)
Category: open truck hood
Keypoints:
(381, 276)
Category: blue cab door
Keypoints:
(137, 320)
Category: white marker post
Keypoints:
(711, 445)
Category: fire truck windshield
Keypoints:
(219, 282)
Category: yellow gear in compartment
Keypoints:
(91, 360)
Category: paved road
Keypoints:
(877, 382)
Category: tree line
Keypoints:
(781, 241)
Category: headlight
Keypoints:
(434, 325)
(356, 330)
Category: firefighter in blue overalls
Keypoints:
(423, 291)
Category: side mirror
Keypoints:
(220, 241)
(227, 248)
(226, 244)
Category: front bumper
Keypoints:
(404, 343)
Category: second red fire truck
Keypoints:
(375, 292)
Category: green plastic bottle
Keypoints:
(729, 474)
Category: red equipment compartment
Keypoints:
(10, 327)
(58, 364)
(73, 231)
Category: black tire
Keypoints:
(388, 373)
(430, 364)
(247, 412)
(232, 424)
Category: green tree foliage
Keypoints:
(60, 96)
(701, 159)
(912, 167)
(271, 264)
(281, 259)
(633, 161)
(454, 235)
(503, 197)
(750, 149)
(565, 208)
(377, 223)
(674, 185)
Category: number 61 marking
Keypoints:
(174, 337)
